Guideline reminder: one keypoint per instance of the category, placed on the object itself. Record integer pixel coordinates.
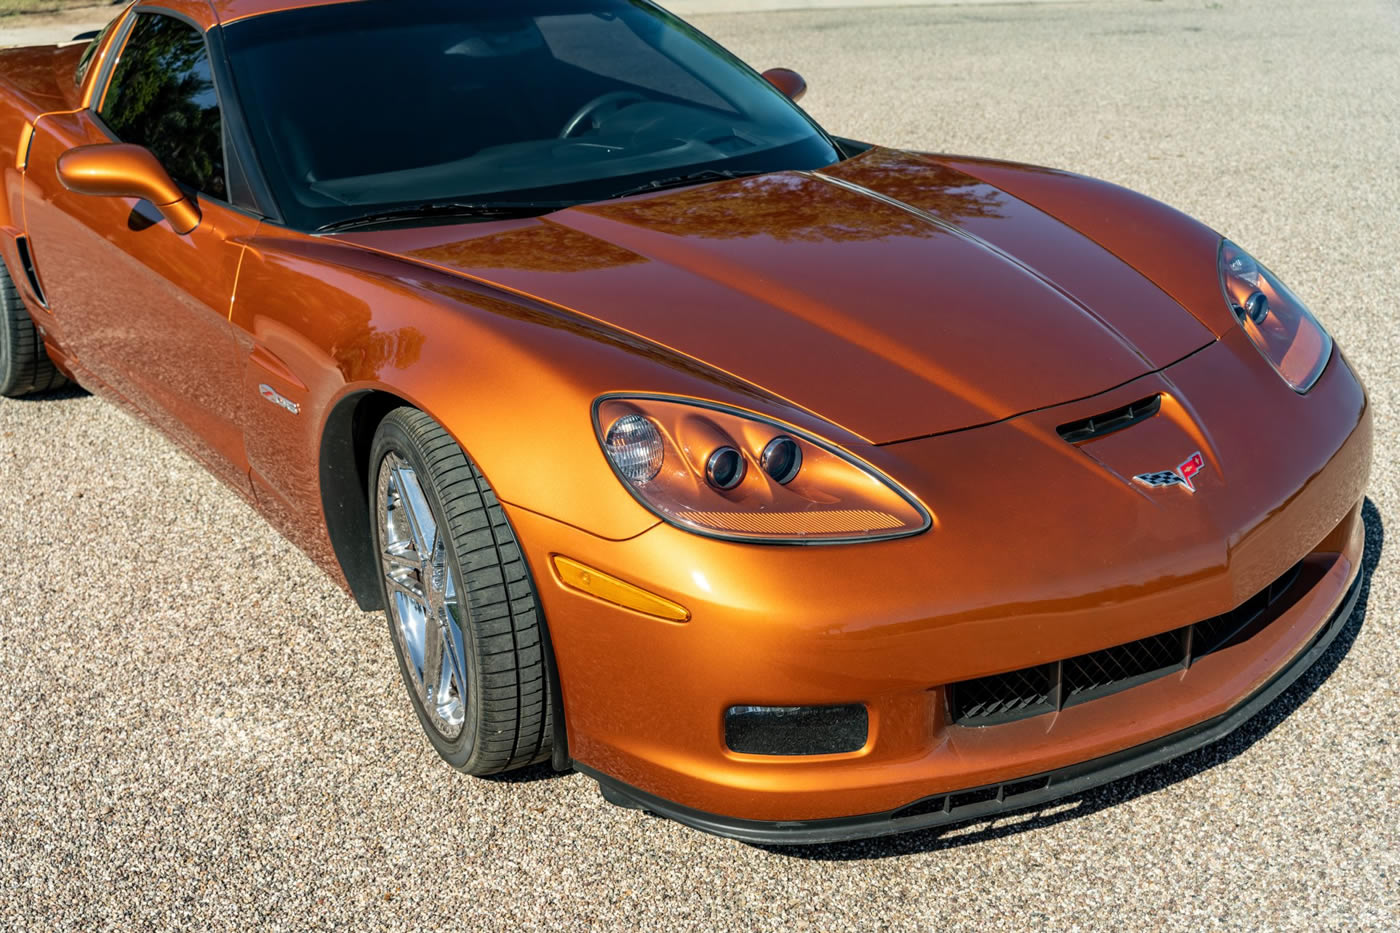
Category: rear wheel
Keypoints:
(461, 607)
(25, 366)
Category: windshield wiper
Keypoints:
(694, 178)
(493, 210)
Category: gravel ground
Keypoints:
(200, 731)
(54, 27)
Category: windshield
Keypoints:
(364, 108)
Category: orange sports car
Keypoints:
(794, 488)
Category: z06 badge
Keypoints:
(1183, 475)
(277, 398)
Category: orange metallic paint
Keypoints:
(888, 624)
(792, 84)
(1165, 246)
(934, 317)
(126, 171)
(37, 81)
(111, 46)
(26, 133)
(773, 277)
(651, 715)
(123, 286)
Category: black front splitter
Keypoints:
(995, 799)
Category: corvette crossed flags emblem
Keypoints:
(1183, 475)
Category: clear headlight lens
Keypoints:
(1280, 325)
(729, 474)
(634, 446)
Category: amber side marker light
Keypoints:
(619, 592)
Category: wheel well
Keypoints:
(345, 447)
(345, 468)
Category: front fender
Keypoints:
(324, 325)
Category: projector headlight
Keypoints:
(725, 473)
(1280, 325)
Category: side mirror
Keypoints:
(119, 170)
(787, 81)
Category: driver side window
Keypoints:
(161, 96)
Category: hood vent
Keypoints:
(1086, 429)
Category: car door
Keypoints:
(142, 308)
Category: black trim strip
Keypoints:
(31, 274)
(993, 800)
(239, 140)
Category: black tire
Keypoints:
(25, 366)
(508, 721)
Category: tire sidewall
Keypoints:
(5, 353)
(7, 333)
(459, 752)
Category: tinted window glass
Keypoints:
(608, 47)
(362, 107)
(90, 52)
(162, 97)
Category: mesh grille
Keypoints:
(1214, 634)
(985, 701)
(1089, 673)
(1217, 632)
(1007, 696)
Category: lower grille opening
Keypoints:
(999, 698)
(925, 806)
(796, 730)
(969, 797)
(974, 798)
(1017, 788)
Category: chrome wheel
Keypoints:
(421, 583)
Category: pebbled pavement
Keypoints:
(197, 730)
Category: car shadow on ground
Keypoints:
(1146, 782)
(540, 772)
(71, 390)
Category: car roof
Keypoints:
(210, 13)
(229, 11)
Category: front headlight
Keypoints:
(1280, 325)
(728, 474)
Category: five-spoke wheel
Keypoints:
(422, 590)
(461, 606)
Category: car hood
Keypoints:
(891, 294)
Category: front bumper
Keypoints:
(1014, 574)
(993, 799)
